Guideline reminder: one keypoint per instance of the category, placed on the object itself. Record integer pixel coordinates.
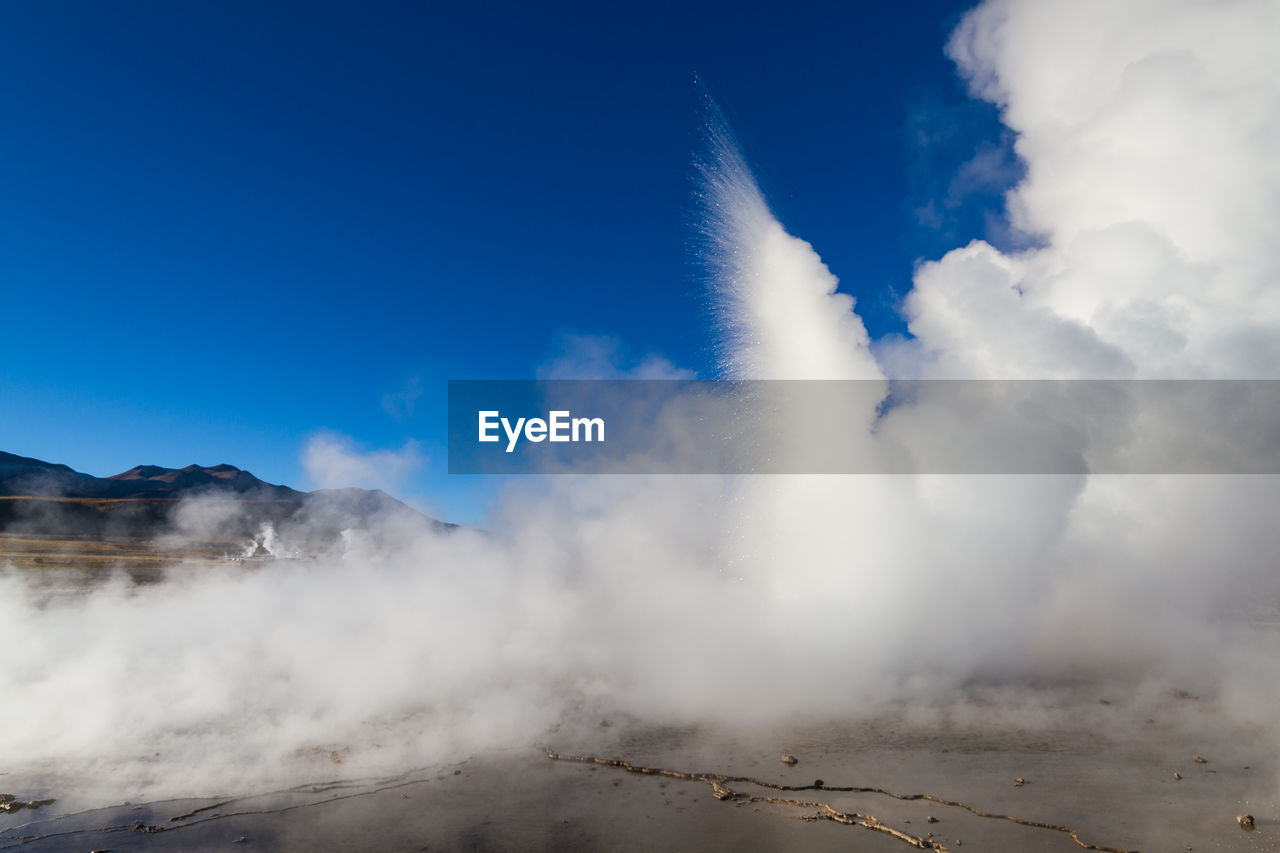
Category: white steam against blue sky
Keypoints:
(1151, 195)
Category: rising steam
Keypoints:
(760, 598)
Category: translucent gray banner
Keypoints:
(865, 427)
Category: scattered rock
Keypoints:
(241, 840)
(1199, 760)
(1019, 782)
(10, 803)
(931, 819)
(818, 783)
(1176, 775)
(789, 760)
(1245, 821)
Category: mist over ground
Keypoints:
(1150, 206)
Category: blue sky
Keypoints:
(226, 228)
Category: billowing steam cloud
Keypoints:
(1148, 134)
(331, 462)
(1148, 131)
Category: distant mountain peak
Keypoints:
(139, 472)
(158, 488)
(156, 481)
(23, 476)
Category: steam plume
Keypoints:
(602, 594)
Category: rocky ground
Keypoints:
(1102, 780)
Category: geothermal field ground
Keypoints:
(1092, 778)
(1105, 764)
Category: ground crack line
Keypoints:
(824, 811)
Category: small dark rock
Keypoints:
(818, 783)
(789, 760)
(931, 819)
(10, 803)
(1176, 775)
(1245, 821)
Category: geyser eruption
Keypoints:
(1045, 577)
(817, 550)
(780, 315)
(756, 599)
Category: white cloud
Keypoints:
(1149, 131)
(333, 461)
(604, 357)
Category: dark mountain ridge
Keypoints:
(153, 480)
(27, 477)
(217, 502)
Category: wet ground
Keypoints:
(1095, 770)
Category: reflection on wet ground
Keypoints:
(1090, 776)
